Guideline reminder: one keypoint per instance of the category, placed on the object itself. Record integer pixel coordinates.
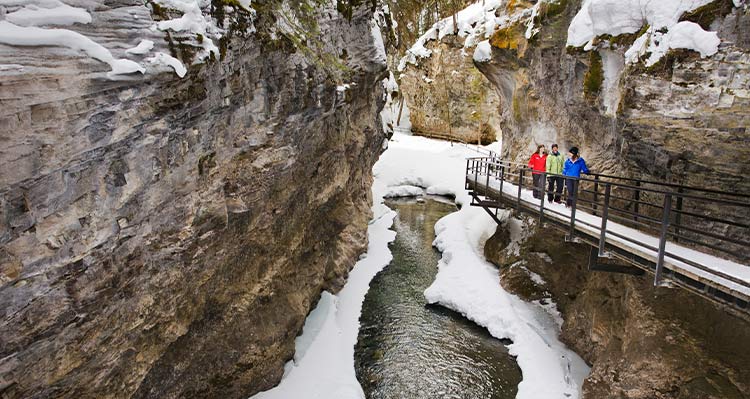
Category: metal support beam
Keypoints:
(520, 185)
(572, 230)
(544, 195)
(596, 193)
(662, 238)
(605, 216)
(596, 266)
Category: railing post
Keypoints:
(487, 186)
(605, 215)
(466, 180)
(520, 185)
(636, 198)
(502, 177)
(476, 174)
(544, 194)
(678, 216)
(572, 232)
(596, 193)
(662, 238)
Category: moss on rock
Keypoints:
(511, 38)
(707, 14)
(592, 82)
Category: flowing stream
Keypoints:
(408, 349)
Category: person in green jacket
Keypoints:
(555, 162)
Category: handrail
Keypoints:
(654, 182)
(641, 188)
(662, 213)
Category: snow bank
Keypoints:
(466, 283)
(15, 35)
(616, 17)
(323, 365)
(403, 191)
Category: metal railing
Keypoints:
(707, 220)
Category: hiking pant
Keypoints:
(556, 186)
(538, 185)
(571, 194)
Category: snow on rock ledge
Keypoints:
(483, 52)
(168, 60)
(665, 32)
(15, 35)
(33, 23)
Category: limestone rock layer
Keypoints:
(642, 342)
(166, 237)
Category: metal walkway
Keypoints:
(691, 237)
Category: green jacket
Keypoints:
(555, 163)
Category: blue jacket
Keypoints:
(575, 168)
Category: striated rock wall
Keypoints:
(166, 237)
(684, 119)
(642, 342)
(448, 98)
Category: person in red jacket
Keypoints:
(538, 165)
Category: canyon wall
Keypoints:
(642, 342)
(166, 237)
(445, 95)
(450, 99)
(683, 119)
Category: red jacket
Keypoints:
(538, 162)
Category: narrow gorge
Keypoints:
(203, 198)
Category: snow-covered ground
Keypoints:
(323, 366)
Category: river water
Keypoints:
(407, 349)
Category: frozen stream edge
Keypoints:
(323, 365)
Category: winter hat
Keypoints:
(574, 150)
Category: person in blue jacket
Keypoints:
(573, 167)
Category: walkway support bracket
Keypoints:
(571, 236)
(596, 266)
(605, 216)
(662, 238)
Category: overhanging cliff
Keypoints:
(166, 237)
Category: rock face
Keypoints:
(684, 119)
(448, 98)
(166, 237)
(642, 342)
